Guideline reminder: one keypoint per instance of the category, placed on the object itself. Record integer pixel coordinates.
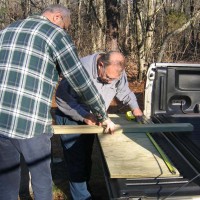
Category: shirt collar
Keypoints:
(94, 66)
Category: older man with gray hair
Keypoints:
(107, 72)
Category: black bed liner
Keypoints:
(160, 188)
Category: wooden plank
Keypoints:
(127, 153)
(122, 124)
(127, 128)
(132, 155)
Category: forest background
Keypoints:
(145, 31)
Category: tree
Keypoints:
(113, 17)
(175, 32)
(145, 17)
(98, 25)
(145, 31)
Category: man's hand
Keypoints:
(137, 112)
(90, 119)
(110, 126)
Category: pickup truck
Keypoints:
(172, 95)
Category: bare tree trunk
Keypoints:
(140, 36)
(193, 42)
(63, 2)
(101, 28)
(128, 20)
(98, 25)
(150, 27)
(2, 14)
(93, 33)
(173, 33)
(113, 16)
(80, 24)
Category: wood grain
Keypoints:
(128, 128)
(132, 155)
(129, 153)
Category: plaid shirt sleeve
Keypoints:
(30, 51)
(78, 77)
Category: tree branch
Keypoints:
(177, 31)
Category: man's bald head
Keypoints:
(111, 65)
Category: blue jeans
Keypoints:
(77, 149)
(37, 155)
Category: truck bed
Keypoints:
(171, 96)
(187, 143)
(181, 186)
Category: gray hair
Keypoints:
(105, 59)
(57, 8)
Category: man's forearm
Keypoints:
(76, 114)
(78, 78)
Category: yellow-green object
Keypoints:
(163, 155)
(130, 116)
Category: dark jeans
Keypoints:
(77, 149)
(37, 155)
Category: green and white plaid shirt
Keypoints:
(31, 51)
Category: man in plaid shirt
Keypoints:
(32, 53)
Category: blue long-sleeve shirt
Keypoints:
(72, 105)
